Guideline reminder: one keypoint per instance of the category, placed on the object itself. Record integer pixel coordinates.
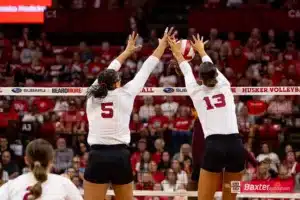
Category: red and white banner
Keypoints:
(147, 91)
(260, 186)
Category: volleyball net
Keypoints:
(265, 114)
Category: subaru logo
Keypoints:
(168, 90)
(16, 90)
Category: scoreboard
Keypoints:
(23, 11)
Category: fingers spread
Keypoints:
(170, 31)
(174, 34)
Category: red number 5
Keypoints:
(107, 110)
(220, 101)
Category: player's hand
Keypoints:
(198, 44)
(163, 42)
(131, 44)
(174, 46)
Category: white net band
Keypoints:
(217, 194)
(147, 91)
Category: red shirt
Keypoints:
(43, 104)
(182, 123)
(135, 158)
(71, 117)
(158, 177)
(95, 68)
(6, 117)
(19, 105)
(238, 64)
(135, 126)
(156, 157)
(152, 81)
(256, 107)
(158, 121)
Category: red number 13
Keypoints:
(220, 101)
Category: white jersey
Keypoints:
(109, 117)
(55, 188)
(215, 106)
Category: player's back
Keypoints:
(109, 117)
(216, 109)
(55, 188)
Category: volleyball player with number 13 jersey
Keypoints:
(214, 103)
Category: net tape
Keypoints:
(146, 91)
(292, 196)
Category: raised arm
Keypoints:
(190, 81)
(198, 46)
(130, 49)
(135, 86)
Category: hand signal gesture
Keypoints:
(131, 44)
(198, 43)
(168, 33)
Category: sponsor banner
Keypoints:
(258, 186)
(67, 90)
(147, 91)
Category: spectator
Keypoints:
(170, 183)
(135, 124)
(182, 177)
(280, 106)
(291, 165)
(266, 154)
(185, 153)
(263, 172)
(165, 162)
(159, 145)
(143, 165)
(83, 163)
(3, 175)
(63, 156)
(77, 182)
(27, 53)
(61, 105)
(158, 123)
(9, 166)
(181, 129)
(157, 176)
(145, 181)
(169, 78)
(71, 121)
(136, 156)
(4, 146)
(94, 68)
(169, 108)
(86, 54)
(147, 110)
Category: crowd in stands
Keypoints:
(161, 126)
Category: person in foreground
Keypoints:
(224, 151)
(39, 183)
(109, 107)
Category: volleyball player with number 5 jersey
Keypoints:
(109, 107)
(214, 103)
